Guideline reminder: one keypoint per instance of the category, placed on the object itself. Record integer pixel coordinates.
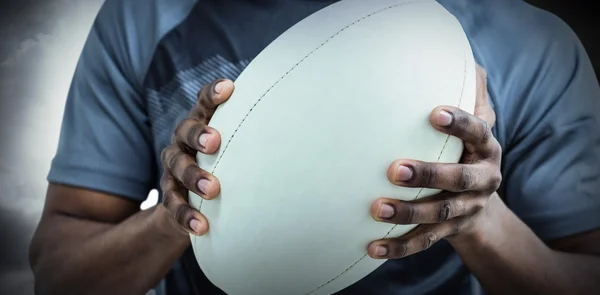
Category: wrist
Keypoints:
(469, 238)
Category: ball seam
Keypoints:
(416, 196)
(288, 72)
(284, 76)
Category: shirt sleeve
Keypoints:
(106, 141)
(551, 163)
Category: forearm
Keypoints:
(76, 256)
(508, 258)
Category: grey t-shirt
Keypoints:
(144, 61)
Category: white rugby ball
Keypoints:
(309, 133)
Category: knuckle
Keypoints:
(177, 130)
(207, 99)
(400, 248)
(187, 150)
(465, 179)
(204, 103)
(462, 124)
(194, 135)
(478, 204)
(190, 176)
(410, 214)
(427, 240)
(496, 149)
(459, 207)
(180, 127)
(164, 182)
(203, 92)
(495, 181)
(173, 138)
(196, 129)
(486, 133)
(164, 156)
(175, 159)
(491, 149)
(182, 213)
(405, 213)
(193, 132)
(445, 211)
(426, 175)
(169, 197)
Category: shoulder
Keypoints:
(505, 32)
(127, 32)
(534, 61)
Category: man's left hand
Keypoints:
(467, 186)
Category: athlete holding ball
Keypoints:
(521, 211)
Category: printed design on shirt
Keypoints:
(172, 103)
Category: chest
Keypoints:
(218, 40)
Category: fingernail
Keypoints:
(204, 139)
(381, 251)
(386, 211)
(404, 173)
(195, 225)
(219, 86)
(203, 185)
(445, 118)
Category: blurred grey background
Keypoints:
(40, 42)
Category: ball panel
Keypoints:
(300, 168)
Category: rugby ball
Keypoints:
(308, 136)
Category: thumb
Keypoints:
(483, 108)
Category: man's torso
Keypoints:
(145, 60)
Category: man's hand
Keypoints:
(180, 171)
(94, 224)
(467, 186)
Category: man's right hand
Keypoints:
(180, 170)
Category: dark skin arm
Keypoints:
(94, 243)
(80, 230)
(90, 242)
(502, 252)
(508, 258)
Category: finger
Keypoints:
(474, 131)
(483, 108)
(210, 97)
(188, 218)
(192, 135)
(481, 176)
(183, 167)
(422, 238)
(436, 209)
